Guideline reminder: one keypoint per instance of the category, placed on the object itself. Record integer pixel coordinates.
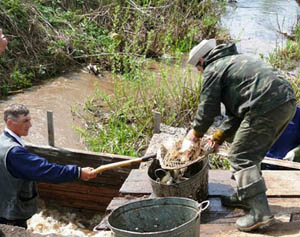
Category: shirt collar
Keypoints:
(19, 139)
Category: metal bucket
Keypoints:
(159, 217)
(196, 187)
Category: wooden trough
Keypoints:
(93, 195)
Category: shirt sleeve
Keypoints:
(230, 125)
(210, 100)
(24, 165)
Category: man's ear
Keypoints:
(9, 123)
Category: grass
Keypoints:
(122, 122)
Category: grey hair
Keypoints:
(13, 111)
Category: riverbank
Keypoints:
(47, 38)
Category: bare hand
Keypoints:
(211, 145)
(87, 173)
(3, 42)
(191, 136)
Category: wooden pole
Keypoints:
(50, 128)
(157, 118)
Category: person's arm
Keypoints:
(209, 106)
(3, 42)
(227, 129)
(24, 165)
(293, 155)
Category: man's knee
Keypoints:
(249, 182)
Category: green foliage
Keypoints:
(174, 93)
(218, 162)
(21, 79)
(49, 36)
(286, 58)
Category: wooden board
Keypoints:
(229, 230)
(220, 183)
(223, 219)
(282, 163)
(218, 220)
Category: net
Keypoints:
(176, 158)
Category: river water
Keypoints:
(253, 22)
(59, 96)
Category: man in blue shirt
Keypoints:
(20, 170)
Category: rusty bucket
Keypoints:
(195, 187)
(158, 217)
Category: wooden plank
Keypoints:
(77, 200)
(226, 230)
(282, 163)
(137, 183)
(220, 183)
(270, 161)
(81, 188)
(79, 204)
(74, 154)
(222, 218)
(69, 196)
(282, 183)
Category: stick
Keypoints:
(123, 163)
(50, 128)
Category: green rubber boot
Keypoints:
(259, 216)
(233, 201)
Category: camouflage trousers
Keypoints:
(252, 140)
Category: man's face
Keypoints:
(20, 126)
(199, 65)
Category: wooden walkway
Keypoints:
(283, 195)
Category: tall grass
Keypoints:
(122, 122)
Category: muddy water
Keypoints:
(59, 96)
(255, 23)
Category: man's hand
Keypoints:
(290, 155)
(87, 174)
(191, 136)
(3, 42)
(211, 146)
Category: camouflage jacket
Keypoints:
(243, 83)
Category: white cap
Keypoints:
(200, 50)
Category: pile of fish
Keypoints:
(178, 153)
(183, 150)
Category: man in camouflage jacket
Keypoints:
(259, 104)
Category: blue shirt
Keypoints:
(288, 140)
(25, 165)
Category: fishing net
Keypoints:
(175, 157)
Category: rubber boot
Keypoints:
(233, 201)
(259, 216)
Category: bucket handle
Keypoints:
(201, 208)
